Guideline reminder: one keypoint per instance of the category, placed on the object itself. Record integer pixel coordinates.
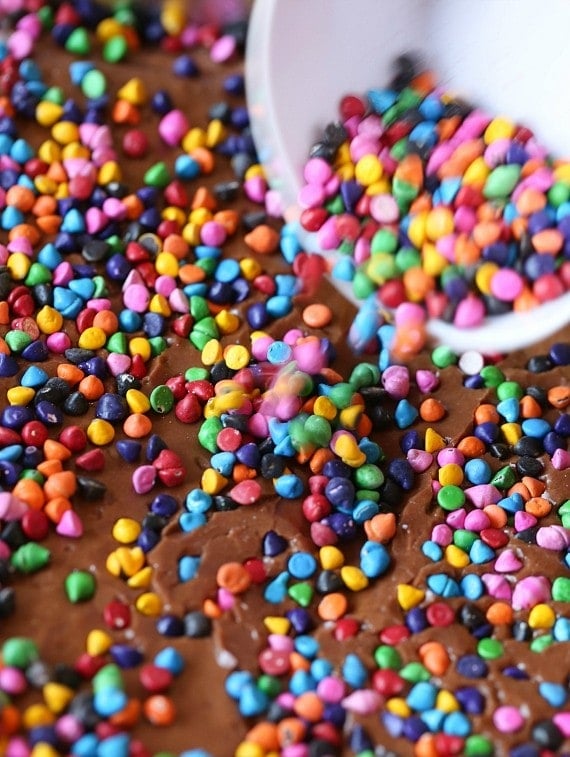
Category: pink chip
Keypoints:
(12, 680)
(465, 219)
(143, 479)
(363, 145)
(419, 459)
(20, 44)
(450, 456)
(58, 342)
(311, 196)
(223, 48)
(441, 152)
(213, 233)
(506, 285)
(442, 534)
(496, 151)
(173, 126)
(87, 133)
(77, 166)
(497, 586)
(409, 314)
(317, 171)
(327, 237)
(508, 562)
(255, 188)
(114, 209)
(99, 303)
(361, 250)
(384, 208)
(508, 719)
(555, 538)
(95, 220)
(136, 297)
(481, 495)
(456, 518)
(426, 380)
(101, 137)
(331, 689)
(531, 591)
(280, 643)
(363, 702)
(30, 23)
(226, 599)
(477, 520)
(371, 125)
(524, 520)
(274, 204)
(561, 459)
(70, 525)
(165, 285)
(470, 312)
(11, 508)
(118, 363)
(396, 381)
(178, 301)
(63, 274)
(21, 244)
(562, 720)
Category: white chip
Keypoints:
(471, 362)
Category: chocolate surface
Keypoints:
(206, 717)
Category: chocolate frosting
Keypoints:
(207, 717)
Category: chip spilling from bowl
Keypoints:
(428, 202)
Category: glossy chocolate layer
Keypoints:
(206, 716)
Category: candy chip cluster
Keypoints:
(222, 532)
(431, 200)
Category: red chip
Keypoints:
(229, 439)
(387, 682)
(440, 614)
(9, 436)
(313, 218)
(188, 409)
(394, 634)
(87, 665)
(175, 194)
(246, 492)
(351, 106)
(138, 368)
(494, 537)
(135, 143)
(274, 662)
(166, 459)
(346, 628)
(177, 385)
(74, 438)
(91, 461)
(35, 525)
(172, 476)
(182, 325)
(85, 319)
(256, 569)
(448, 745)
(34, 433)
(155, 679)
(117, 615)
(201, 389)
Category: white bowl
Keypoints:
(510, 57)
